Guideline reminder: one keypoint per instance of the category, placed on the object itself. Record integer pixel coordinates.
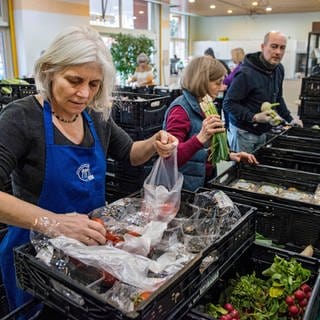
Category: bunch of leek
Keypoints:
(219, 149)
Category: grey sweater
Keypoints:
(22, 145)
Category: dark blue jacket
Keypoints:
(252, 85)
(194, 171)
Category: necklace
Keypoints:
(64, 120)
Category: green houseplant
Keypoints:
(124, 51)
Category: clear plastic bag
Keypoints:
(162, 189)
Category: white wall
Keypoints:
(248, 32)
(35, 30)
(295, 26)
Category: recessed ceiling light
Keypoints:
(141, 12)
(254, 3)
(229, 11)
(268, 9)
(192, 1)
(212, 6)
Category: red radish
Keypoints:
(299, 294)
(303, 302)
(223, 318)
(289, 300)
(294, 310)
(228, 307)
(308, 294)
(305, 288)
(234, 313)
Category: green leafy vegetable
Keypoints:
(219, 149)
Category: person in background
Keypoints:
(55, 144)
(185, 120)
(143, 75)
(173, 64)
(259, 80)
(209, 52)
(237, 56)
(218, 102)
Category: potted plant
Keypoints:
(124, 51)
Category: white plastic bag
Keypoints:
(162, 189)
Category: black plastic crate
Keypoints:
(166, 303)
(123, 184)
(286, 226)
(258, 258)
(140, 133)
(291, 159)
(309, 122)
(310, 109)
(3, 300)
(124, 169)
(17, 91)
(139, 110)
(310, 87)
(302, 132)
(305, 144)
(263, 175)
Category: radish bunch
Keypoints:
(232, 314)
(298, 301)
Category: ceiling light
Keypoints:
(212, 6)
(254, 3)
(141, 12)
(229, 11)
(268, 9)
(192, 1)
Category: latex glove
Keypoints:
(262, 117)
(296, 123)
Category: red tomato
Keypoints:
(99, 220)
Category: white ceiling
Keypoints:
(243, 7)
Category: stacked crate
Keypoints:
(141, 115)
(309, 109)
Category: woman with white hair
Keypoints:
(55, 145)
(143, 75)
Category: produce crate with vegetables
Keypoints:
(263, 283)
(284, 186)
(86, 292)
(283, 226)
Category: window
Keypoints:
(126, 14)
(6, 69)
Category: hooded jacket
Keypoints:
(252, 85)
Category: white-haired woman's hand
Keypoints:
(164, 143)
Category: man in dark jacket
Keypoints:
(259, 80)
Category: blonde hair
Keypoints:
(237, 55)
(199, 72)
(76, 46)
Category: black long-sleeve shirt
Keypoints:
(22, 145)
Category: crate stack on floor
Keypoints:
(309, 109)
(140, 115)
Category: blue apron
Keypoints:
(74, 181)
